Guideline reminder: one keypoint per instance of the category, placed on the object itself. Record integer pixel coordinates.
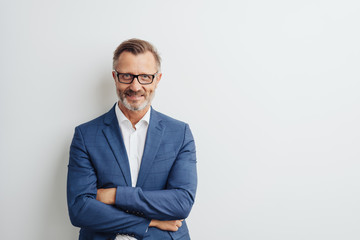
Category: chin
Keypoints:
(135, 107)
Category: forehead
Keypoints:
(140, 63)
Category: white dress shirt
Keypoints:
(134, 140)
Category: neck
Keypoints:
(133, 116)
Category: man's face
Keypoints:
(136, 96)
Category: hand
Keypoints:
(172, 226)
(106, 195)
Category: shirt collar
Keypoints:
(122, 118)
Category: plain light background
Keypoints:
(270, 90)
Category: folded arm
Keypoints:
(174, 202)
(84, 210)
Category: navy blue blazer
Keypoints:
(165, 188)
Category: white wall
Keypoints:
(269, 88)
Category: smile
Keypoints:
(134, 97)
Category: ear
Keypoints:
(158, 78)
(114, 76)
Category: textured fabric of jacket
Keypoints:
(165, 188)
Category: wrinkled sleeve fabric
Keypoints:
(174, 202)
(84, 210)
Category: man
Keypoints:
(132, 171)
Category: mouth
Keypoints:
(134, 97)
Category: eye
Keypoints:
(127, 76)
(145, 76)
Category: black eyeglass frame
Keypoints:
(137, 77)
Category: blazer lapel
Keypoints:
(152, 144)
(113, 135)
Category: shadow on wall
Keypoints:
(56, 224)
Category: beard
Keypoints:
(133, 106)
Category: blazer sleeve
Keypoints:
(84, 210)
(174, 202)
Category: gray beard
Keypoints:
(146, 103)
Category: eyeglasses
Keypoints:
(128, 78)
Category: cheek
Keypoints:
(119, 89)
(150, 90)
(148, 93)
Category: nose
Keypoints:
(135, 85)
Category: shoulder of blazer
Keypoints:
(99, 122)
(156, 117)
(166, 120)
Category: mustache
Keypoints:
(130, 92)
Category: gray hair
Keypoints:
(136, 46)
